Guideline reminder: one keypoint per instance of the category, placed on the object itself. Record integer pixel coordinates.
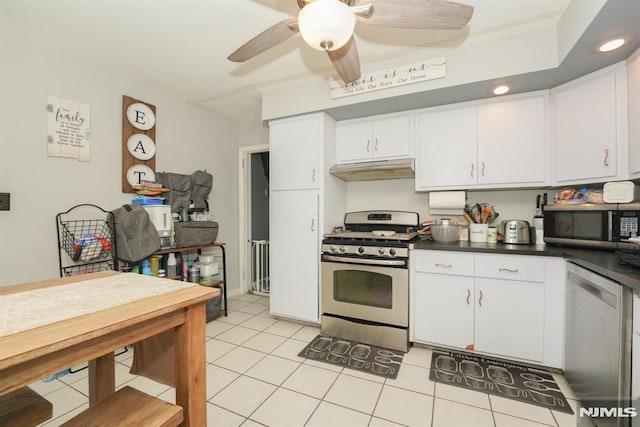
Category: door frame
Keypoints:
(244, 212)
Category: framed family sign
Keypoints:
(138, 142)
(69, 130)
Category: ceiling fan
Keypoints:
(329, 24)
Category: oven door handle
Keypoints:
(365, 261)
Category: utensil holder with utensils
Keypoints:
(478, 233)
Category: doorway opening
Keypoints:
(254, 217)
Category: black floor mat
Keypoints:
(500, 378)
(353, 355)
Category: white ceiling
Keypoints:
(181, 45)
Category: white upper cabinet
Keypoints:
(378, 138)
(295, 153)
(633, 90)
(493, 144)
(591, 128)
(446, 149)
(513, 141)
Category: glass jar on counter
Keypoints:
(492, 235)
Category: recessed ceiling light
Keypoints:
(612, 44)
(500, 89)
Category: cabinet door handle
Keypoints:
(368, 145)
(468, 295)
(483, 168)
(480, 300)
(440, 265)
(313, 175)
(376, 146)
(313, 225)
(606, 157)
(472, 168)
(508, 270)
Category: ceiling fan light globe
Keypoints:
(326, 24)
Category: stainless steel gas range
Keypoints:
(365, 278)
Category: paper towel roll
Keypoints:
(447, 202)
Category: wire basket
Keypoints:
(86, 239)
(88, 268)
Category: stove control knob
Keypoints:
(381, 251)
(392, 252)
(360, 250)
(343, 249)
(333, 249)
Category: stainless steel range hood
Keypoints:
(368, 171)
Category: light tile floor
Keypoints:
(255, 378)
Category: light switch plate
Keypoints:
(4, 201)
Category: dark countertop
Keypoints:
(602, 262)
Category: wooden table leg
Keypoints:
(102, 377)
(191, 373)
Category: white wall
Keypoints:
(399, 194)
(187, 139)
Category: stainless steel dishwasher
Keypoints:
(598, 344)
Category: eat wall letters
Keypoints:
(138, 142)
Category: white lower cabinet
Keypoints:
(504, 305)
(294, 224)
(444, 309)
(509, 318)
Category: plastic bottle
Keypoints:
(185, 267)
(146, 268)
(172, 265)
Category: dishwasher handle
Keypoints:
(596, 291)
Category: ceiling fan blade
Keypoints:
(346, 61)
(265, 40)
(428, 14)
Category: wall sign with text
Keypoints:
(69, 131)
(407, 74)
(138, 143)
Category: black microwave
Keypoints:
(604, 226)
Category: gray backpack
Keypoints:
(180, 185)
(187, 191)
(136, 236)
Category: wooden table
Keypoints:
(31, 354)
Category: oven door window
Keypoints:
(363, 288)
